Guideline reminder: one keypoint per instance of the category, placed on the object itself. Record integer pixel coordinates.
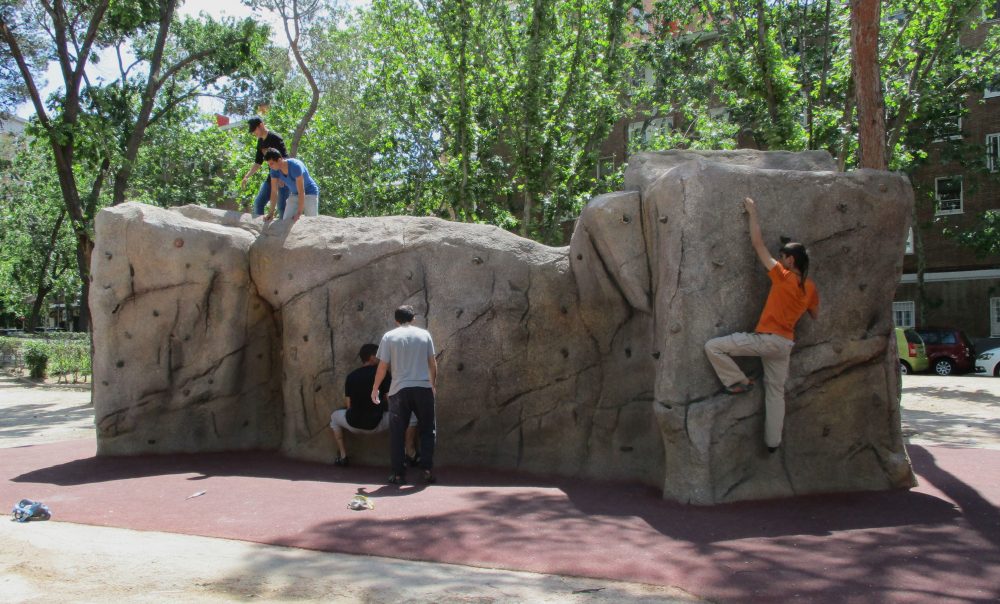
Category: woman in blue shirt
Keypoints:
(304, 197)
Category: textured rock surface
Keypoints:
(184, 349)
(523, 383)
(842, 413)
(582, 361)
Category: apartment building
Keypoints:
(960, 289)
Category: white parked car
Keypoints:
(988, 363)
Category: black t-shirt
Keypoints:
(364, 414)
(271, 141)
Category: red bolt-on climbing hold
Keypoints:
(178, 242)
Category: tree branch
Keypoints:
(22, 65)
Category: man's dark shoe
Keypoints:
(429, 477)
(340, 461)
(772, 449)
(397, 479)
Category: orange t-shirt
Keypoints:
(785, 303)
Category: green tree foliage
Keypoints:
(929, 68)
(94, 130)
(984, 237)
(298, 20)
(796, 92)
(37, 249)
(782, 72)
(490, 110)
(467, 109)
(348, 141)
(12, 88)
(184, 58)
(478, 110)
(185, 160)
(775, 71)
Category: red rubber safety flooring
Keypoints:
(939, 542)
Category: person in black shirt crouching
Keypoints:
(361, 415)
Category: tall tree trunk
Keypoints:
(845, 125)
(612, 62)
(60, 135)
(84, 250)
(300, 129)
(765, 64)
(865, 16)
(532, 120)
(463, 111)
(293, 41)
(36, 307)
(153, 84)
(43, 286)
(826, 54)
(79, 220)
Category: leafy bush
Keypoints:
(36, 357)
(64, 357)
(74, 336)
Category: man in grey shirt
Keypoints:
(408, 352)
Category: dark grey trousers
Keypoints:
(420, 402)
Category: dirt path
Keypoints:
(33, 414)
(91, 564)
(959, 411)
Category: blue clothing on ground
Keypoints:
(295, 169)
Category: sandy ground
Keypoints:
(43, 560)
(31, 414)
(958, 411)
(58, 561)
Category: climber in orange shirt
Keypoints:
(792, 294)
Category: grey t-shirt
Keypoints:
(407, 350)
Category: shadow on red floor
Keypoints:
(938, 542)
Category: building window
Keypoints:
(993, 152)
(991, 91)
(950, 126)
(605, 166)
(909, 241)
(948, 195)
(642, 77)
(634, 132)
(993, 10)
(903, 313)
(719, 113)
(995, 317)
(659, 126)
